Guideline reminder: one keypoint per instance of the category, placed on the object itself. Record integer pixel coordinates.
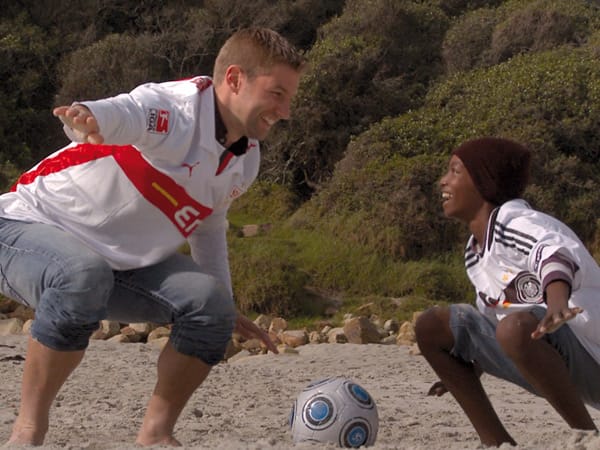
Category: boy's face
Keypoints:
(460, 198)
(265, 99)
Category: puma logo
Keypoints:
(190, 167)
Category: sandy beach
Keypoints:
(245, 403)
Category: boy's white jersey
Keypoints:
(161, 177)
(524, 250)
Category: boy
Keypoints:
(537, 296)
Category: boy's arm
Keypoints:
(558, 312)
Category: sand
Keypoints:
(245, 404)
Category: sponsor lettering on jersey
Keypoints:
(158, 121)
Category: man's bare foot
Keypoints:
(23, 434)
(169, 441)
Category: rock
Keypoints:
(263, 321)
(132, 334)
(391, 325)
(406, 334)
(142, 328)
(158, 333)
(119, 338)
(314, 337)
(326, 329)
(274, 337)
(107, 329)
(294, 338)
(278, 325)
(11, 326)
(389, 340)
(336, 336)
(252, 230)
(252, 345)
(21, 312)
(159, 342)
(360, 330)
(27, 326)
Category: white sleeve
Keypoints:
(208, 246)
(145, 117)
(120, 119)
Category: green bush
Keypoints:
(264, 278)
(392, 206)
(384, 192)
(541, 25)
(375, 60)
(264, 202)
(467, 41)
(489, 36)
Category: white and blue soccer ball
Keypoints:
(335, 410)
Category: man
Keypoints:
(537, 290)
(92, 231)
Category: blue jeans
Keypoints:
(475, 340)
(72, 288)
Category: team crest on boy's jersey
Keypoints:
(525, 288)
(157, 121)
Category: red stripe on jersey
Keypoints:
(156, 187)
(224, 162)
(73, 156)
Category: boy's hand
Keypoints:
(558, 311)
(554, 319)
(438, 389)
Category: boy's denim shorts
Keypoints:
(475, 341)
(72, 288)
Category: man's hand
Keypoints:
(249, 330)
(81, 120)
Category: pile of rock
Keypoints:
(17, 319)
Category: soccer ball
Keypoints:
(335, 410)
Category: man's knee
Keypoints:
(70, 308)
(204, 326)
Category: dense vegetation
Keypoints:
(349, 184)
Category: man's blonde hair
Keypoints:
(256, 50)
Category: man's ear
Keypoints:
(233, 78)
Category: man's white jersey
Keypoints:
(524, 251)
(160, 178)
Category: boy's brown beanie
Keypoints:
(499, 167)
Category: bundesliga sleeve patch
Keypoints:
(157, 121)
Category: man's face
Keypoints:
(460, 198)
(265, 99)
